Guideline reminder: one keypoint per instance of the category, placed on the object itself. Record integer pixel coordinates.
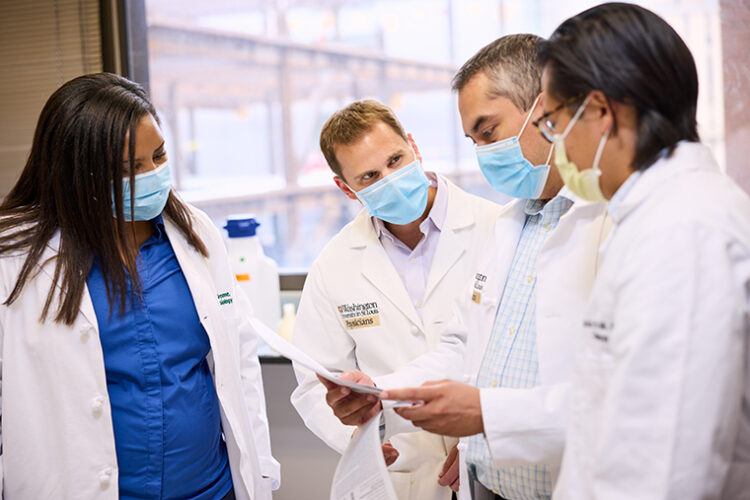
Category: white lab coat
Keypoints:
(354, 271)
(522, 426)
(57, 436)
(661, 399)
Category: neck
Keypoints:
(410, 234)
(143, 230)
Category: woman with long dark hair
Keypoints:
(129, 364)
(661, 400)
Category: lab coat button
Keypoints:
(529, 279)
(419, 304)
(97, 406)
(414, 330)
(511, 330)
(105, 477)
(494, 383)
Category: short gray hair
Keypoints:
(512, 64)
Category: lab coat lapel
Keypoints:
(196, 274)
(378, 269)
(47, 265)
(451, 246)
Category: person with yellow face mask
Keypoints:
(660, 398)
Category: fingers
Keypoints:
(327, 383)
(450, 473)
(436, 382)
(390, 454)
(376, 408)
(336, 395)
(450, 459)
(357, 377)
(455, 484)
(411, 394)
(351, 410)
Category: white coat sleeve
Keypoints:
(679, 350)
(525, 426)
(446, 361)
(319, 333)
(252, 383)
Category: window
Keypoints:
(244, 87)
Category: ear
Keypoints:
(538, 109)
(414, 147)
(344, 188)
(601, 109)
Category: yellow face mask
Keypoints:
(582, 183)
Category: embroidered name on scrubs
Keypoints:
(361, 315)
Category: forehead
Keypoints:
(148, 136)
(372, 149)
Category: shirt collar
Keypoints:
(553, 209)
(160, 232)
(437, 214)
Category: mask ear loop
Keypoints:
(528, 116)
(576, 117)
(549, 155)
(599, 151)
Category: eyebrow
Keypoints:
(478, 124)
(160, 147)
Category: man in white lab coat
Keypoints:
(377, 296)
(527, 294)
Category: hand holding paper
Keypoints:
(290, 351)
(351, 408)
(449, 408)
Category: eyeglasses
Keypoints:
(545, 126)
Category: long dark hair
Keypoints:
(75, 164)
(632, 56)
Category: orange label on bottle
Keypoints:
(242, 277)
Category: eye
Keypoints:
(395, 159)
(369, 175)
(487, 134)
(160, 157)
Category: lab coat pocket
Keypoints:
(401, 484)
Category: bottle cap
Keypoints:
(241, 225)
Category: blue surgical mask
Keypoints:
(150, 195)
(399, 198)
(508, 171)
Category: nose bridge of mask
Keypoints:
(388, 179)
(148, 182)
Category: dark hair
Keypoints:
(75, 164)
(632, 56)
(512, 64)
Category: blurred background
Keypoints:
(243, 87)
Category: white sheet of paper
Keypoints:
(290, 351)
(361, 472)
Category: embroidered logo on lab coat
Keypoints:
(224, 298)
(360, 315)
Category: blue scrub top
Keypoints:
(165, 411)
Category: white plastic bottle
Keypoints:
(287, 322)
(257, 274)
